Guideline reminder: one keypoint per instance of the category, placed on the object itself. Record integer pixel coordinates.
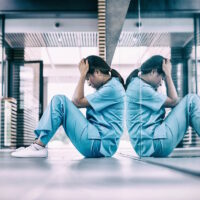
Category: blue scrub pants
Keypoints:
(186, 113)
(61, 111)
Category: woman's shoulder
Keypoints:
(114, 87)
(137, 83)
(113, 83)
(138, 87)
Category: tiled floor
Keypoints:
(65, 174)
(186, 160)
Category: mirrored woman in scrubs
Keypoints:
(97, 134)
(151, 133)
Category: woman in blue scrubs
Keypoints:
(151, 133)
(99, 133)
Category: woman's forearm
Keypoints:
(79, 98)
(171, 90)
(79, 91)
(172, 96)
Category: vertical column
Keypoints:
(115, 16)
(178, 70)
(15, 56)
(102, 28)
(2, 36)
(111, 17)
(196, 49)
(195, 65)
(184, 74)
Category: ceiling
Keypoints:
(38, 8)
(79, 32)
(90, 39)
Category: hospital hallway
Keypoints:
(42, 44)
(65, 174)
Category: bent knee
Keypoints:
(192, 96)
(57, 99)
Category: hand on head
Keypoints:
(83, 67)
(167, 67)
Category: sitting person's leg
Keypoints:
(186, 113)
(61, 111)
(83, 135)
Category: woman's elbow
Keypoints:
(171, 102)
(174, 102)
(75, 102)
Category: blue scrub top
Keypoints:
(106, 113)
(144, 116)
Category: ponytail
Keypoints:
(133, 74)
(155, 62)
(96, 62)
(115, 73)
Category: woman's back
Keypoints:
(144, 114)
(107, 110)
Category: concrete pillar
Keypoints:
(115, 16)
(111, 16)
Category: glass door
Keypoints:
(26, 86)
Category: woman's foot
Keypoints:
(34, 150)
(20, 148)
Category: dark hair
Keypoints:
(96, 62)
(155, 62)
